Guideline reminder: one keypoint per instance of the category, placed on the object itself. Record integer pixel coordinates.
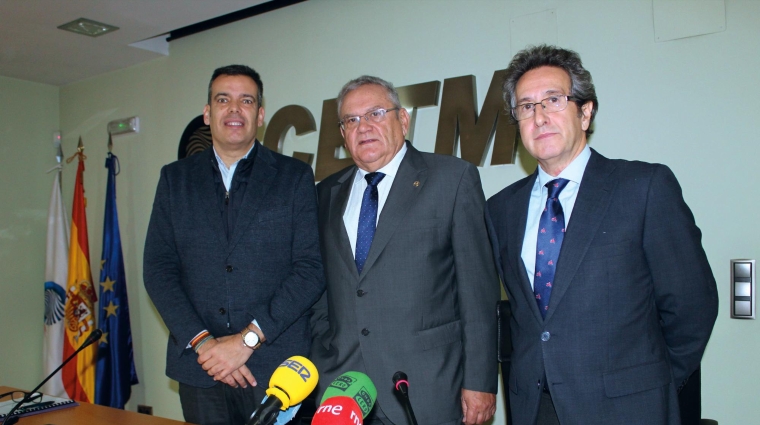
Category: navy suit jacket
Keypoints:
(270, 269)
(633, 300)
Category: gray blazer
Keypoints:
(269, 270)
(633, 301)
(425, 301)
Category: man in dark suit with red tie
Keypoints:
(613, 299)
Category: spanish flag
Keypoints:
(79, 375)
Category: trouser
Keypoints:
(546, 413)
(220, 404)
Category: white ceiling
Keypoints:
(33, 48)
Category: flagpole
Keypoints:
(56, 274)
(115, 373)
(79, 377)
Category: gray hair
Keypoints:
(366, 80)
(581, 87)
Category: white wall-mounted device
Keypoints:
(743, 289)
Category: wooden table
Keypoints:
(90, 414)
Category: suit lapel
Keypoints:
(259, 183)
(409, 180)
(591, 204)
(204, 181)
(339, 195)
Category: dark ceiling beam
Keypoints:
(230, 18)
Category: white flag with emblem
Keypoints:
(56, 273)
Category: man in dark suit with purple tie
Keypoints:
(613, 299)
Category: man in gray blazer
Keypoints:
(411, 285)
(613, 300)
(232, 259)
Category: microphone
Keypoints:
(11, 419)
(338, 410)
(291, 383)
(355, 385)
(401, 382)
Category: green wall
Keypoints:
(688, 103)
(28, 118)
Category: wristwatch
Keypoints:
(250, 339)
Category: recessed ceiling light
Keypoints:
(88, 27)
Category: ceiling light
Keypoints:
(88, 27)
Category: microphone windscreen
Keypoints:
(293, 381)
(356, 385)
(340, 410)
(399, 376)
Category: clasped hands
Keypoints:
(224, 360)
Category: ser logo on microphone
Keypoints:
(303, 371)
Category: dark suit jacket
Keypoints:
(426, 296)
(633, 301)
(269, 270)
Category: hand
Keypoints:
(223, 356)
(477, 407)
(241, 377)
(229, 380)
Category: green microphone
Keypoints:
(355, 385)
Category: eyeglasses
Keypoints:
(555, 103)
(377, 115)
(17, 396)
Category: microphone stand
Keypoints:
(402, 386)
(267, 413)
(12, 418)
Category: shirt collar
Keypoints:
(222, 164)
(390, 169)
(573, 172)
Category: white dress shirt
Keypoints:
(538, 195)
(354, 206)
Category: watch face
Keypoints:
(251, 339)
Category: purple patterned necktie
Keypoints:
(367, 219)
(551, 231)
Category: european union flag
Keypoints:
(116, 367)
